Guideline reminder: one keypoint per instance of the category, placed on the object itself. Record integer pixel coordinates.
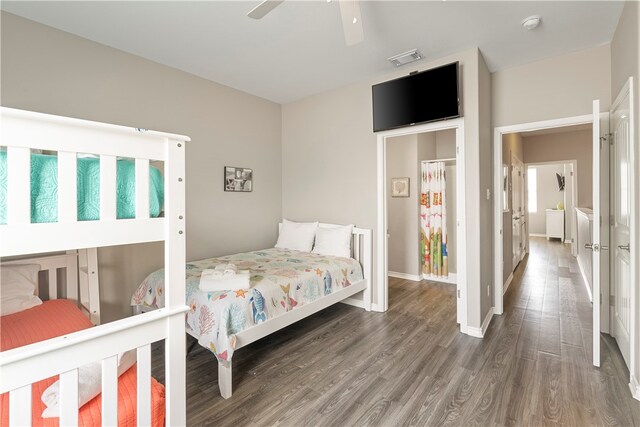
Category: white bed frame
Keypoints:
(88, 297)
(23, 131)
(361, 251)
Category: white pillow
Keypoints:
(297, 236)
(18, 285)
(334, 241)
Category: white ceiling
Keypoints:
(298, 49)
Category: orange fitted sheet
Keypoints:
(61, 317)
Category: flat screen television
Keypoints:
(417, 98)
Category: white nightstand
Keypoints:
(555, 224)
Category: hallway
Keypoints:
(548, 304)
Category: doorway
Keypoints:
(508, 141)
(623, 317)
(384, 139)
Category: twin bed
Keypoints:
(285, 286)
(66, 201)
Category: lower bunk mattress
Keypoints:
(53, 319)
(281, 280)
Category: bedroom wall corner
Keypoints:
(47, 70)
(486, 186)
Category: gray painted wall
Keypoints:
(552, 88)
(574, 145)
(51, 71)
(402, 212)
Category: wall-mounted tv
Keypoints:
(417, 98)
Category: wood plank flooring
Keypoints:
(410, 366)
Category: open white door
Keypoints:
(600, 233)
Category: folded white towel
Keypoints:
(230, 270)
(219, 270)
(89, 384)
(211, 283)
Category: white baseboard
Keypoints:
(507, 283)
(537, 235)
(404, 276)
(584, 279)
(568, 241)
(359, 303)
(451, 278)
(635, 388)
(479, 332)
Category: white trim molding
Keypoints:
(479, 332)
(537, 235)
(355, 302)
(452, 278)
(634, 386)
(405, 276)
(507, 283)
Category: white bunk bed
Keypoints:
(23, 131)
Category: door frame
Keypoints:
(634, 239)
(382, 266)
(498, 132)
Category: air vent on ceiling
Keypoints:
(405, 58)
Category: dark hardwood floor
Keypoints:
(410, 366)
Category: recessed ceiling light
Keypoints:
(405, 58)
(532, 22)
(355, 20)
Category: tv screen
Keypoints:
(417, 98)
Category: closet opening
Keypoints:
(421, 208)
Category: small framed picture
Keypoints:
(399, 187)
(238, 179)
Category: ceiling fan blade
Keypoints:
(263, 8)
(351, 21)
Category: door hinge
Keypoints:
(612, 301)
(571, 173)
(457, 150)
(612, 221)
(458, 293)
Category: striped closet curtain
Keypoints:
(433, 219)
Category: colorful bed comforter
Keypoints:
(281, 281)
(44, 189)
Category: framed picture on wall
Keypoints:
(238, 179)
(399, 187)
